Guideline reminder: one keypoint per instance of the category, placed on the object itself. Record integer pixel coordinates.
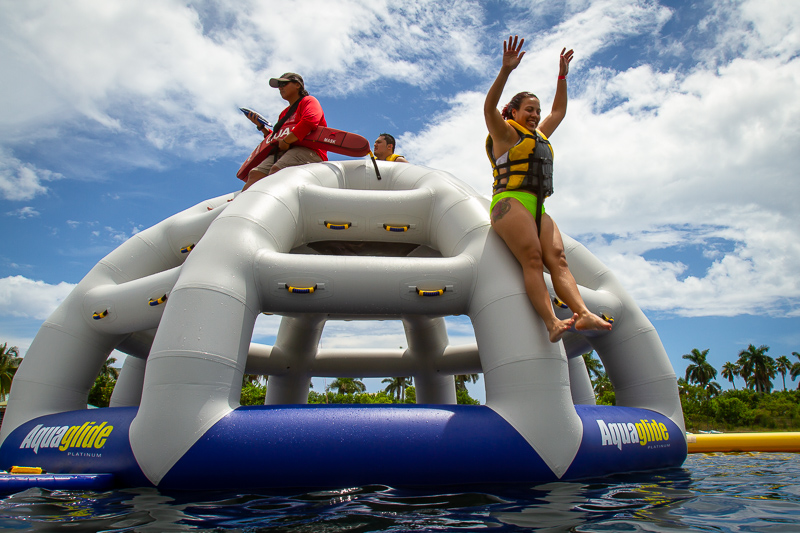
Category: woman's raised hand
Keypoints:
(512, 52)
(563, 61)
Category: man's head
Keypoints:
(291, 86)
(384, 146)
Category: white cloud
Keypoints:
(266, 328)
(652, 158)
(644, 151)
(27, 298)
(364, 334)
(177, 71)
(22, 181)
(23, 213)
(358, 334)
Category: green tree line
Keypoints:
(353, 391)
(755, 407)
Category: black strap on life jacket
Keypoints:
(289, 112)
(540, 192)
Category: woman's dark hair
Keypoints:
(303, 91)
(516, 102)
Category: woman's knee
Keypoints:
(530, 257)
(555, 259)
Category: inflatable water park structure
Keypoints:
(332, 241)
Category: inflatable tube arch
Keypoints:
(314, 243)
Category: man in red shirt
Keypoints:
(302, 118)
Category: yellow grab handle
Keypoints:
(430, 292)
(338, 225)
(390, 227)
(300, 290)
(102, 314)
(158, 301)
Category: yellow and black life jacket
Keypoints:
(393, 157)
(529, 166)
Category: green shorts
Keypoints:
(528, 200)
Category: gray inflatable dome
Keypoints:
(331, 241)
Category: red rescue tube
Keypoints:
(258, 155)
(338, 141)
(323, 138)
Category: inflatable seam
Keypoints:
(207, 287)
(517, 359)
(194, 354)
(632, 384)
(257, 223)
(492, 301)
(93, 341)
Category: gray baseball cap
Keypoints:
(289, 76)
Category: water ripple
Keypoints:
(711, 492)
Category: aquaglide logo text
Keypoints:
(89, 435)
(642, 432)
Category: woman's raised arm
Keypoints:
(498, 128)
(559, 110)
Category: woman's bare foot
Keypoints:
(558, 327)
(591, 322)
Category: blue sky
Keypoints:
(677, 164)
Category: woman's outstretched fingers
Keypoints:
(564, 60)
(512, 52)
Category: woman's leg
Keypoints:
(564, 283)
(517, 227)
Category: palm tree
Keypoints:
(602, 383)
(758, 367)
(255, 380)
(713, 388)
(795, 371)
(683, 386)
(9, 362)
(108, 371)
(397, 386)
(730, 371)
(593, 365)
(783, 365)
(463, 379)
(347, 385)
(700, 371)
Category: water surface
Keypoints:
(712, 492)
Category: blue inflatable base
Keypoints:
(332, 446)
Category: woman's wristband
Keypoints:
(562, 77)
